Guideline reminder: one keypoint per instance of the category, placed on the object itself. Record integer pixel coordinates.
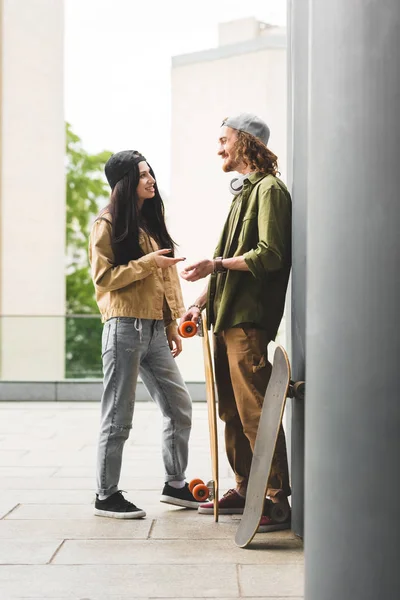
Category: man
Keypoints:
(245, 301)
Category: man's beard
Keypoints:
(229, 165)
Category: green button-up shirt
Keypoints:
(258, 227)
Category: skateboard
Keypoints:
(197, 486)
(279, 388)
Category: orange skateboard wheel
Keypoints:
(193, 483)
(187, 329)
(200, 492)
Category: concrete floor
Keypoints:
(51, 545)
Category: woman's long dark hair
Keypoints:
(127, 219)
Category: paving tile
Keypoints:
(78, 471)
(6, 507)
(47, 483)
(27, 552)
(58, 457)
(167, 581)
(43, 496)
(177, 515)
(153, 507)
(272, 580)
(94, 528)
(25, 443)
(184, 552)
(198, 528)
(12, 457)
(7, 425)
(274, 540)
(52, 511)
(27, 471)
(41, 504)
(110, 596)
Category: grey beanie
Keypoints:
(250, 124)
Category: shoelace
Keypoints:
(122, 501)
(229, 493)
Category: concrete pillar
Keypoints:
(353, 298)
(32, 191)
(297, 151)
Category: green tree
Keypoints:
(87, 191)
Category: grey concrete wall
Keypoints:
(352, 487)
(297, 152)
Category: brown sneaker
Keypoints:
(231, 503)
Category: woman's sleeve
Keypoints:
(169, 322)
(107, 277)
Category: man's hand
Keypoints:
(192, 314)
(174, 342)
(198, 270)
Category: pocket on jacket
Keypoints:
(249, 222)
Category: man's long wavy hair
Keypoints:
(127, 219)
(253, 153)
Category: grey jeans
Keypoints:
(132, 347)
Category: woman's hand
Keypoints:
(163, 262)
(174, 342)
(198, 270)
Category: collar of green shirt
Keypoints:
(256, 177)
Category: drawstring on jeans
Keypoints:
(139, 328)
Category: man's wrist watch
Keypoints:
(218, 266)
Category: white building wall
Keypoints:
(207, 87)
(32, 200)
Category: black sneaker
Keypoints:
(181, 497)
(118, 507)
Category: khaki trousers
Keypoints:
(242, 372)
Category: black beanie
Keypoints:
(119, 164)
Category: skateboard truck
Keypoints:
(278, 511)
(297, 389)
(211, 489)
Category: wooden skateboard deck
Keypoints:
(189, 329)
(212, 412)
(268, 429)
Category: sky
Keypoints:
(118, 62)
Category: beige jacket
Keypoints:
(139, 289)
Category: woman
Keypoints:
(139, 296)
